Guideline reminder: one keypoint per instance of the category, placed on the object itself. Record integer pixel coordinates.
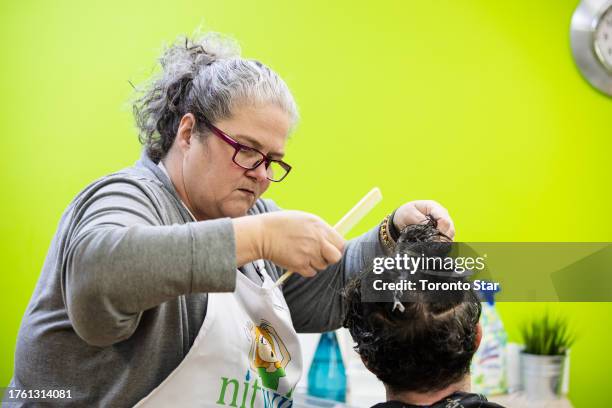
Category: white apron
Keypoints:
(247, 353)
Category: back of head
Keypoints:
(428, 342)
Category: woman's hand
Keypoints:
(416, 212)
(297, 241)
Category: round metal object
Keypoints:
(591, 41)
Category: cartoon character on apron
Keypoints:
(246, 355)
(268, 356)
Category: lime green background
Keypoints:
(476, 104)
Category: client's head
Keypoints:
(424, 344)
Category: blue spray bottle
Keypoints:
(327, 375)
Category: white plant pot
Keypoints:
(542, 376)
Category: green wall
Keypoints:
(476, 104)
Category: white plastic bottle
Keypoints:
(489, 362)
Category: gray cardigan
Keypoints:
(123, 290)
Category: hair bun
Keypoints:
(423, 239)
(209, 48)
(199, 55)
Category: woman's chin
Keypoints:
(236, 210)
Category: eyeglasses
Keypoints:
(250, 158)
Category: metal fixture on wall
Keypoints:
(591, 41)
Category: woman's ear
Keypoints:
(185, 131)
(478, 335)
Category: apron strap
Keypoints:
(260, 267)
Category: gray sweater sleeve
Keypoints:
(120, 260)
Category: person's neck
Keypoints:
(428, 398)
(173, 165)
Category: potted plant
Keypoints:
(547, 340)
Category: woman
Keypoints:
(160, 274)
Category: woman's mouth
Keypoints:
(247, 191)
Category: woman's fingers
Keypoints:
(335, 239)
(300, 242)
(417, 212)
(307, 271)
(330, 253)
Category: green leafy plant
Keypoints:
(547, 335)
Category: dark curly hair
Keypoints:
(429, 344)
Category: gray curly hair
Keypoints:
(207, 77)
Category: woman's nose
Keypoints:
(260, 172)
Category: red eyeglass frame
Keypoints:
(239, 146)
